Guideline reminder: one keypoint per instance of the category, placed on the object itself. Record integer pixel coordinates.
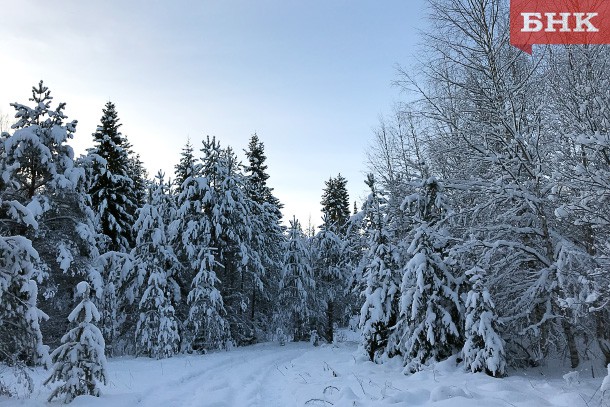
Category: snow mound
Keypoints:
(446, 392)
(572, 378)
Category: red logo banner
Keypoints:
(559, 22)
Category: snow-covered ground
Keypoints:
(299, 374)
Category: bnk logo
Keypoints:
(559, 22)
(532, 22)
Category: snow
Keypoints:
(82, 287)
(65, 259)
(299, 374)
(605, 387)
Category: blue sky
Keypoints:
(309, 77)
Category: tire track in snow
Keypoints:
(240, 377)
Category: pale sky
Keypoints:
(311, 78)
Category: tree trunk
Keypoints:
(572, 348)
(330, 310)
(603, 335)
(253, 302)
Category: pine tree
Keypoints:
(297, 284)
(112, 190)
(37, 155)
(483, 347)
(80, 362)
(157, 329)
(41, 174)
(39, 181)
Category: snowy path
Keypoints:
(300, 375)
(237, 378)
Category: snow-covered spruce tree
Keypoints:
(257, 187)
(68, 245)
(382, 277)
(138, 175)
(335, 203)
(268, 237)
(41, 230)
(113, 196)
(187, 166)
(116, 300)
(80, 363)
(157, 328)
(331, 264)
(20, 336)
(187, 201)
(116, 186)
(430, 310)
(330, 278)
(235, 243)
(483, 347)
(296, 296)
(205, 325)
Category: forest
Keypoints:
(485, 233)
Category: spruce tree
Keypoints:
(268, 237)
(80, 363)
(235, 240)
(189, 223)
(117, 300)
(332, 263)
(430, 310)
(20, 336)
(381, 277)
(113, 193)
(297, 295)
(157, 328)
(257, 188)
(206, 324)
(139, 177)
(187, 167)
(330, 276)
(335, 203)
(483, 347)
